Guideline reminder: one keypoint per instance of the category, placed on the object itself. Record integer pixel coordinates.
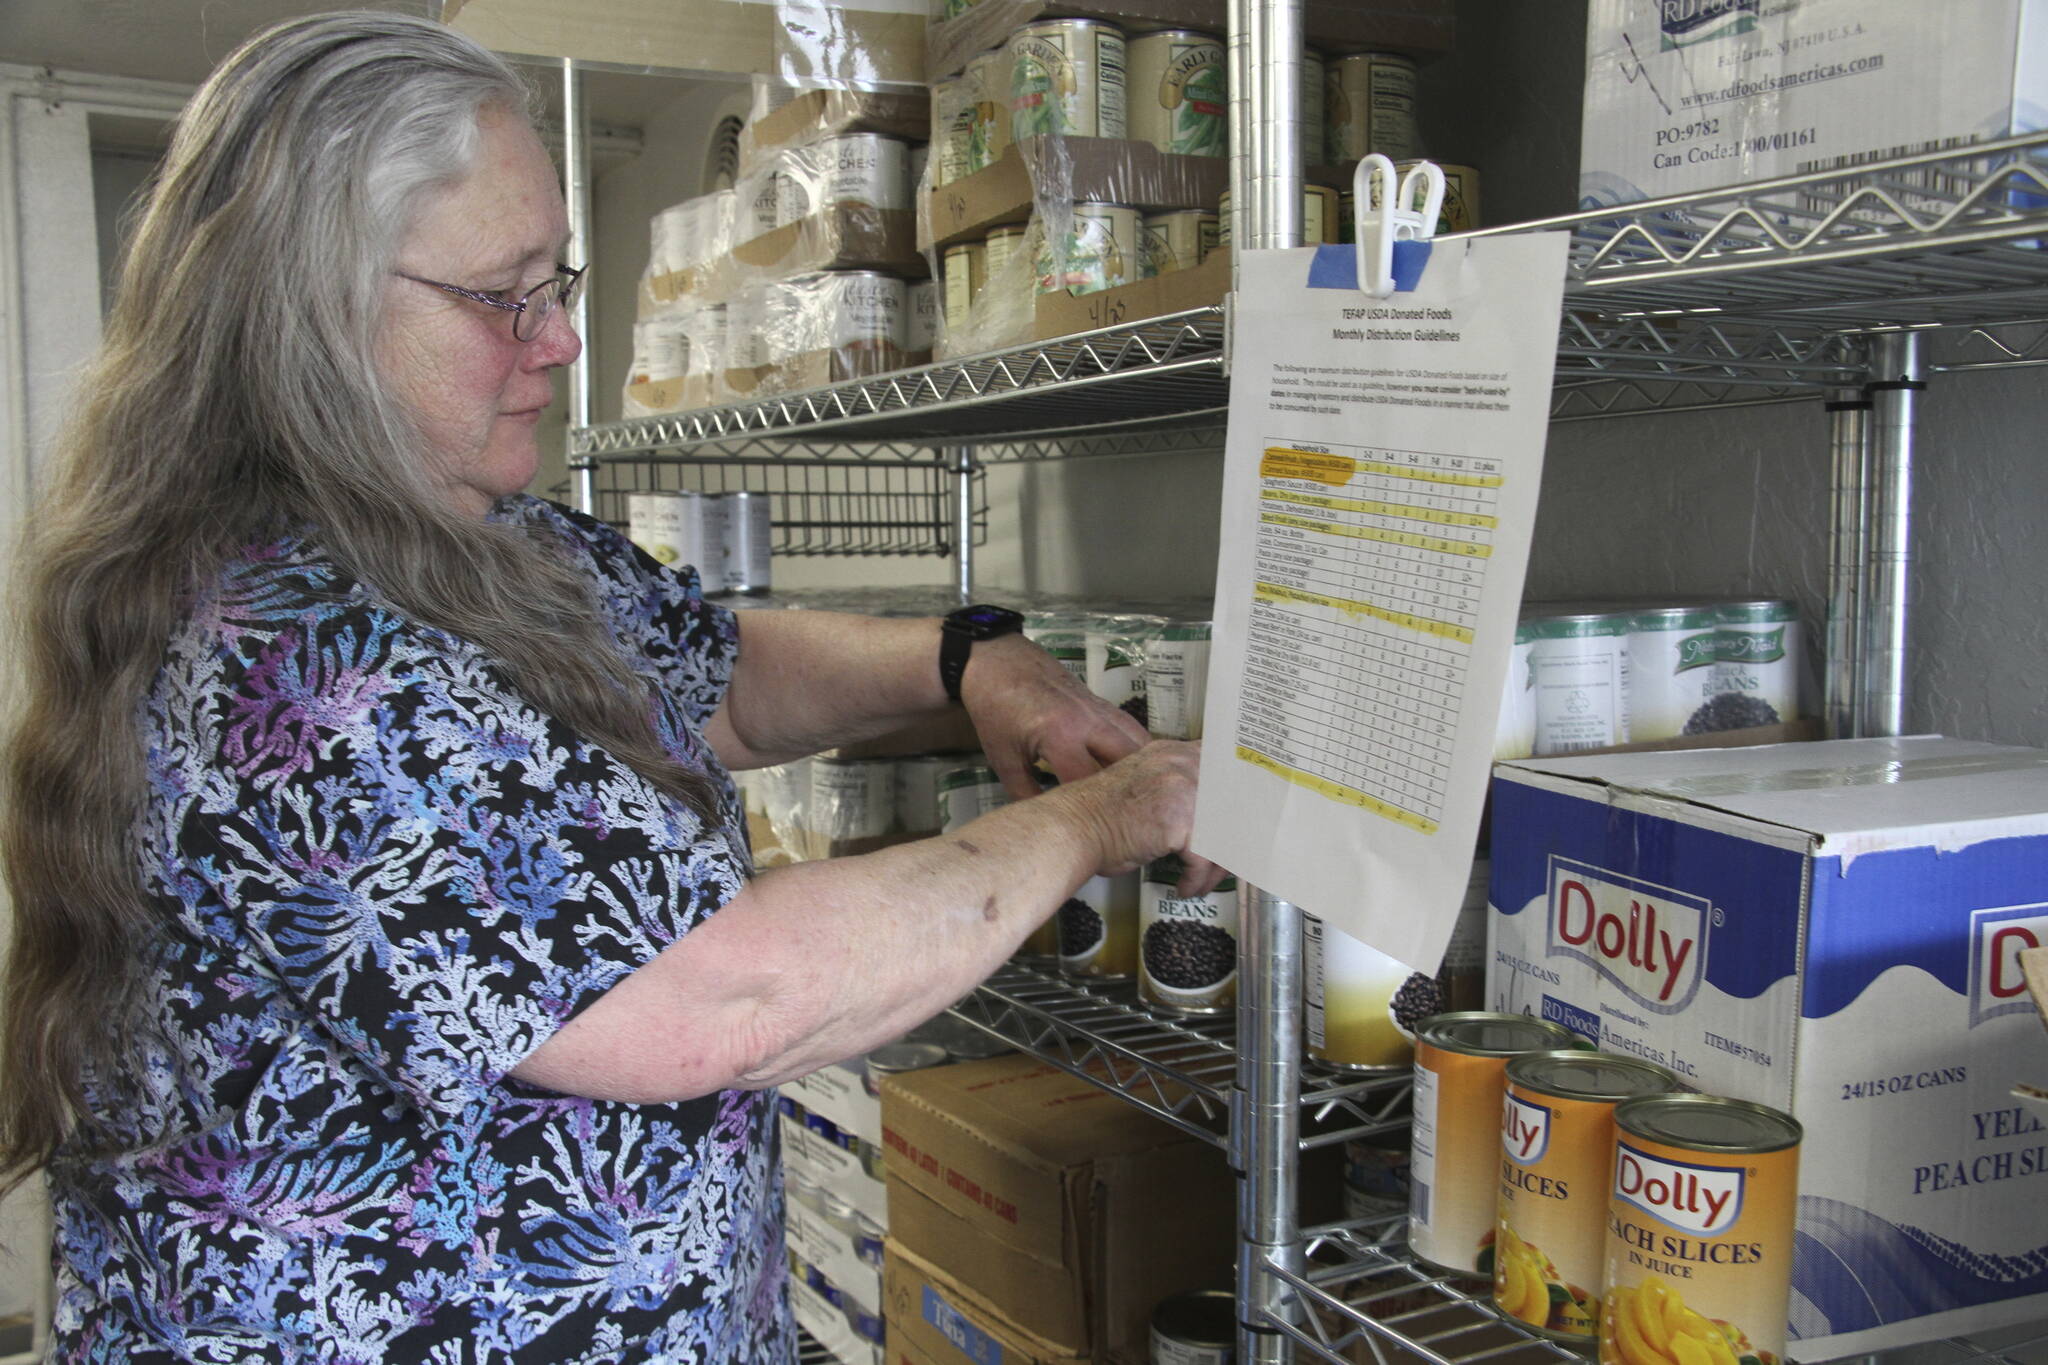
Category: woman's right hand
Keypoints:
(1142, 807)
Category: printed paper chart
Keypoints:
(1368, 570)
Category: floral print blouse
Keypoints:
(391, 879)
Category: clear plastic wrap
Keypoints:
(680, 357)
(845, 202)
(783, 116)
(824, 327)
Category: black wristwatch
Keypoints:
(958, 634)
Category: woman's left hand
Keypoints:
(1029, 709)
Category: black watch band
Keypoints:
(959, 632)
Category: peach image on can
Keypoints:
(1454, 1161)
(1699, 1242)
(1557, 1157)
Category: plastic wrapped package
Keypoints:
(688, 245)
(833, 44)
(827, 327)
(783, 116)
(845, 202)
(679, 361)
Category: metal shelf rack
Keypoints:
(1855, 284)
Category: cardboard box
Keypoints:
(1062, 314)
(737, 37)
(1417, 27)
(1105, 170)
(1066, 1211)
(841, 237)
(933, 1317)
(815, 114)
(685, 393)
(1832, 929)
(1690, 94)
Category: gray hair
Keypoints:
(236, 395)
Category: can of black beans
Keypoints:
(1195, 1328)
(1187, 945)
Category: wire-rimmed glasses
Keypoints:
(531, 310)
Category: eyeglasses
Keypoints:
(531, 309)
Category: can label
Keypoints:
(1182, 105)
(1551, 1248)
(1066, 642)
(1362, 1005)
(967, 794)
(1177, 682)
(953, 115)
(1067, 76)
(1758, 649)
(1582, 675)
(921, 319)
(857, 309)
(1370, 104)
(988, 84)
(669, 526)
(1101, 253)
(1168, 1350)
(1699, 1255)
(750, 542)
(1175, 241)
(1188, 944)
(1098, 928)
(1313, 107)
(865, 169)
(917, 793)
(853, 799)
(1672, 661)
(963, 272)
(1454, 1174)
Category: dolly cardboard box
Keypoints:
(1063, 1209)
(935, 1320)
(1832, 929)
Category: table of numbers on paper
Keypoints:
(1368, 569)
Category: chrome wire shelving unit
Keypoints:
(1854, 285)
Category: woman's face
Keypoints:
(475, 391)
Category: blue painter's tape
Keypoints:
(1336, 267)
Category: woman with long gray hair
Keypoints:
(389, 976)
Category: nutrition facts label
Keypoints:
(1369, 567)
(1379, 489)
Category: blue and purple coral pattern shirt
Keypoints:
(391, 879)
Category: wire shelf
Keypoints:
(1178, 1068)
(1363, 1298)
(1124, 376)
(862, 503)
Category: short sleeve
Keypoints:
(657, 613)
(436, 871)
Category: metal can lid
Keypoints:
(1589, 1075)
(1200, 1317)
(1181, 33)
(1055, 25)
(1576, 624)
(893, 1058)
(1394, 57)
(974, 1045)
(1762, 609)
(1479, 1033)
(1709, 1123)
(1186, 630)
(1695, 616)
(976, 776)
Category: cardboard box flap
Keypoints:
(930, 1312)
(1842, 797)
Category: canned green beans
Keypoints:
(1102, 251)
(1370, 104)
(1178, 240)
(1179, 100)
(1067, 77)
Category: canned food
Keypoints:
(843, 310)
(1459, 211)
(1113, 660)
(953, 114)
(917, 791)
(1454, 1174)
(1067, 76)
(1557, 1164)
(1320, 217)
(1098, 928)
(1101, 252)
(1063, 637)
(1514, 733)
(988, 83)
(963, 267)
(1581, 667)
(1180, 101)
(716, 568)
(866, 1325)
(1376, 1176)
(1758, 647)
(1179, 240)
(1362, 1006)
(1195, 1328)
(1002, 244)
(658, 349)
(852, 798)
(1699, 1242)
(1177, 680)
(668, 525)
(1312, 106)
(1370, 103)
(920, 162)
(894, 1059)
(1187, 944)
(921, 316)
(1671, 663)
(750, 538)
(968, 791)
(863, 169)
(704, 335)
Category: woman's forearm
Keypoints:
(821, 961)
(808, 680)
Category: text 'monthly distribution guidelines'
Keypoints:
(1379, 489)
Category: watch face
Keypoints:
(986, 618)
